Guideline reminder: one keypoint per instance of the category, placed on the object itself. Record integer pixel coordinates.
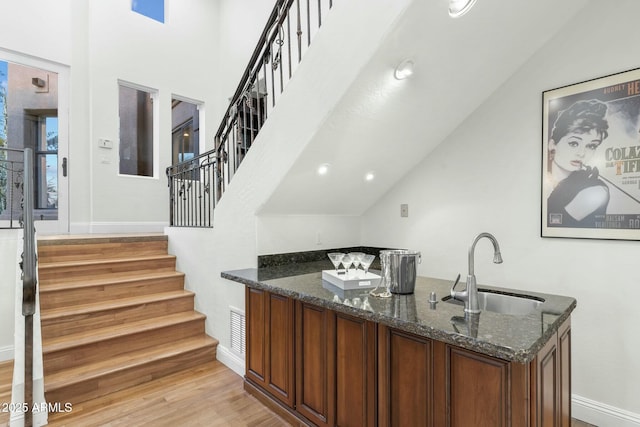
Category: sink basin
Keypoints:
(518, 305)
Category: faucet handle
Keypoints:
(453, 292)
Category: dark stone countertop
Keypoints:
(508, 337)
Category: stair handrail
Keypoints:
(29, 281)
(28, 265)
(194, 181)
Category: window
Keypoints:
(136, 132)
(153, 9)
(185, 134)
(46, 158)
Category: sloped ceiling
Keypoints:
(386, 126)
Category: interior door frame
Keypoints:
(61, 225)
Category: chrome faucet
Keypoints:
(470, 295)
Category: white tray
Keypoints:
(355, 279)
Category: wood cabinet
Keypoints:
(552, 375)
(315, 363)
(405, 379)
(355, 370)
(327, 368)
(422, 382)
(270, 343)
(335, 367)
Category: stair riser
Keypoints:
(78, 252)
(72, 296)
(109, 383)
(95, 352)
(82, 322)
(56, 274)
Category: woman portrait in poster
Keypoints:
(578, 196)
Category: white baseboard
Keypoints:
(79, 228)
(6, 353)
(602, 415)
(127, 227)
(230, 359)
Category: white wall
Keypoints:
(299, 233)
(9, 242)
(178, 57)
(37, 28)
(239, 29)
(486, 177)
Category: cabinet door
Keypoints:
(315, 346)
(405, 383)
(564, 344)
(547, 371)
(355, 394)
(553, 380)
(477, 389)
(256, 338)
(270, 333)
(280, 351)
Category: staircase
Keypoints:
(114, 314)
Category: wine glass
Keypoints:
(336, 259)
(347, 260)
(385, 259)
(366, 261)
(357, 256)
(385, 280)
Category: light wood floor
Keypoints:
(208, 396)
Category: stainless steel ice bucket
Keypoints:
(402, 265)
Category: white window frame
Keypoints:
(154, 93)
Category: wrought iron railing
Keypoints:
(197, 184)
(192, 191)
(11, 187)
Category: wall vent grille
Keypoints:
(238, 325)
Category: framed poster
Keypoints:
(591, 159)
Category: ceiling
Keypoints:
(386, 126)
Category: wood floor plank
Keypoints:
(210, 395)
(6, 376)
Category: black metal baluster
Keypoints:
(266, 99)
(308, 23)
(299, 33)
(289, 41)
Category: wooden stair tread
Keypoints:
(102, 334)
(128, 277)
(111, 304)
(43, 265)
(124, 362)
(82, 239)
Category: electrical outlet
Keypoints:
(404, 210)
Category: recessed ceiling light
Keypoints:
(369, 176)
(323, 169)
(404, 69)
(457, 8)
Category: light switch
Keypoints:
(105, 143)
(404, 210)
